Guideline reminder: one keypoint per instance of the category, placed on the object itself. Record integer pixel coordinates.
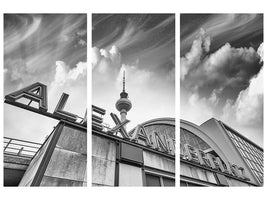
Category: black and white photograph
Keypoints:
(45, 99)
(221, 99)
(157, 69)
(133, 97)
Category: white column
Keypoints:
(123, 114)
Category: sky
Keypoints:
(221, 70)
(142, 45)
(46, 48)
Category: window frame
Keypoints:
(157, 174)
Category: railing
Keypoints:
(21, 148)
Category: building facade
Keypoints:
(214, 154)
(144, 156)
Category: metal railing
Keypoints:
(20, 147)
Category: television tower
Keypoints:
(123, 105)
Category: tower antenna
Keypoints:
(123, 89)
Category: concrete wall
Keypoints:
(103, 161)
(130, 175)
(159, 162)
(68, 163)
(35, 164)
(62, 160)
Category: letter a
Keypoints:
(36, 92)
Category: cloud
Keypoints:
(260, 52)
(222, 27)
(71, 81)
(134, 76)
(198, 109)
(133, 33)
(247, 110)
(64, 74)
(226, 67)
(13, 36)
(194, 57)
(106, 64)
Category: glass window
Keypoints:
(169, 182)
(243, 154)
(235, 142)
(242, 141)
(235, 137)
(250, 150)
(152, 180)
(231, 135)
(249, 163)
(183, 184)
(251, 157)
(188, 184)
(258, 167)
(247, 149)
(246, 154)
(159, 180)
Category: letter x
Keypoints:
(119, 126)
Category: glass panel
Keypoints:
(168, 182)
(152, 180)
(194, 185)
(183, 184)
(235, 142)
(186, 137)
(241, 151)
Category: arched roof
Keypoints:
(157, 121)
(193, 128)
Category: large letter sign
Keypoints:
(36, 92)
(60, 106)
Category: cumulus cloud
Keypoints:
(260, 52)
(247, 110)
(198, 109)
(106, 61)
(71, 81)
(205, 76)
(64, 73)
(222, 74)
(226, 67)
(193, 58)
